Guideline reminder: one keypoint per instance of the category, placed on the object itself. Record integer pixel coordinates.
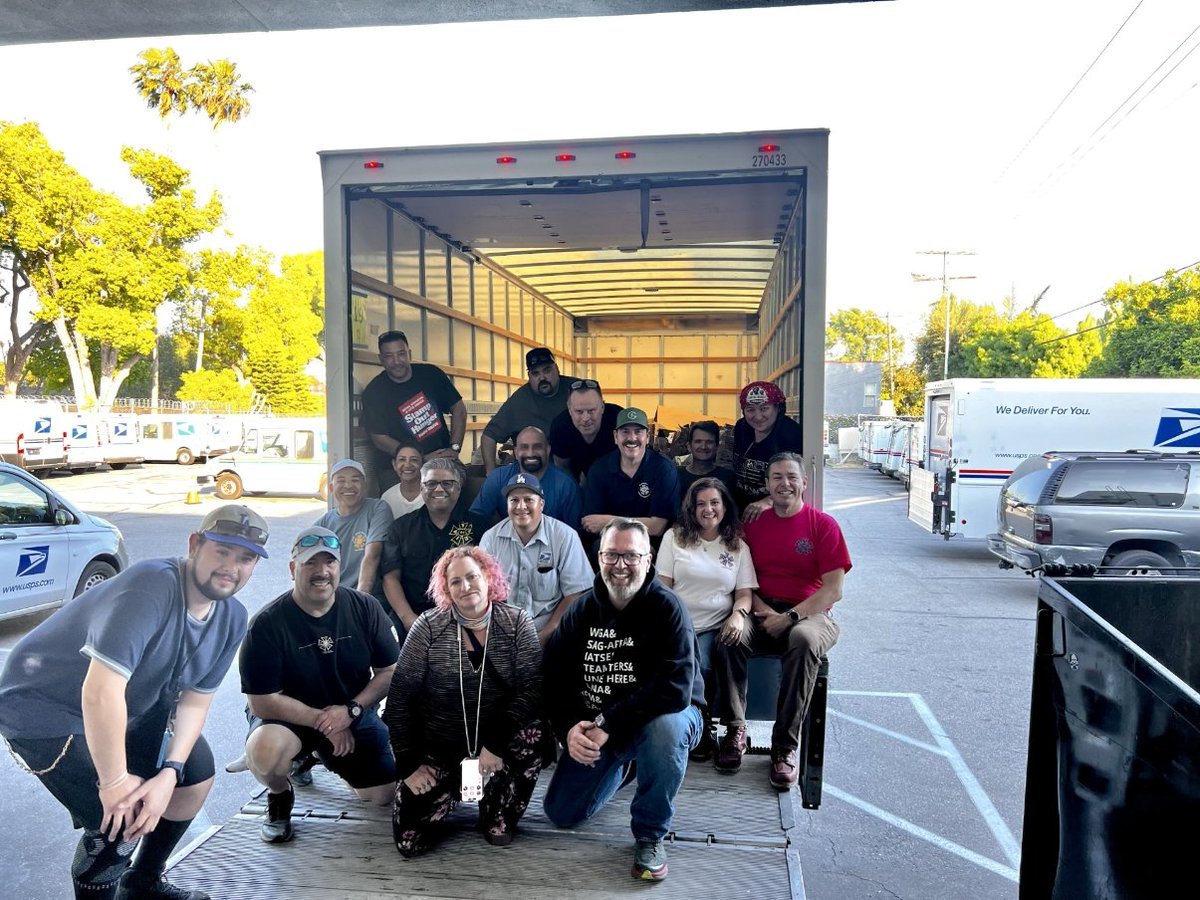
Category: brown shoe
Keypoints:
(733, 747)
(784, 770)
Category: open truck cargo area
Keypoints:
(673, 270)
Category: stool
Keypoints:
(763, 675)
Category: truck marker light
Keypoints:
(625, 154)
(565, 157)
(372, 164)
(505, 160)
(768, 148)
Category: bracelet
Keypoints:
(116, 782)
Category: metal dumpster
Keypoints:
(1112, 796)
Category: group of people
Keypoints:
(494, 644)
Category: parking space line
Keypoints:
(945, 748)
(894, 735)
(917, 831)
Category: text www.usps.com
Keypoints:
(28, 585)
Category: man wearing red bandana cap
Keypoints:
(762, 432)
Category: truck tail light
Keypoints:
(1043, 529)
(21, 444)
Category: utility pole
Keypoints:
(944, 254)
(891, 364)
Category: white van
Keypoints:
(277, 456)
(121, 439)
(32, 434)
(84, 442)
(182, 437)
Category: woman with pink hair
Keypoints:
(465, 708)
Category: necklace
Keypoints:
(472, 745)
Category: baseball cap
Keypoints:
(314, 540)
(237, 525)
(759, 392)
(342, 464)
(523, 480)
(538, 356)
(631, 415)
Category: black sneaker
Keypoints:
(278, 827)
(650, 860)
(302, 770)
(708, 743)
(136, 885)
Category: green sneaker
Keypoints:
(650, 860)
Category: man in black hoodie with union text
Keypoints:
(625, 696)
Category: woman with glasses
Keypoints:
(464, 711)
(705, 560)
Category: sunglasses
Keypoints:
(583, 384)
(311, 540)
(239, 529)
(389, 336)
(447, 486)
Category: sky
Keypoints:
(949, 128)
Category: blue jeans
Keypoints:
(660, 750)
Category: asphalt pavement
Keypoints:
(928, 707)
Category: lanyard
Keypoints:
(472, 746)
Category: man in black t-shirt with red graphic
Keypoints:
(315, 662)
(410, 400)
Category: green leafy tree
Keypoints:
(966, 318)
(212, 88)
(223, 387)
(861, 335)
(44, 204)
(1026, 345)
(1152, 328)
(910, 391)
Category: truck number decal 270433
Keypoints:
(768, 160)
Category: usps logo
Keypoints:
(121, 430)
(32, 561)
(186, 429)
(1178, 427)
(41, 425)
(78, 432)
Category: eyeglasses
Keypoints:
(239, 529)
(611, 557)
(448, 485)
(583, 384)
(311, 540)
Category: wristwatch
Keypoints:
(793, 615)
(456, 447)
(178, 767)
(355, 710)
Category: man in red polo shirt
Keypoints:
(801, 560)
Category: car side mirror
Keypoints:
(62, 517)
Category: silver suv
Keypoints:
(1131, 509)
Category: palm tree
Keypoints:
(212, 88)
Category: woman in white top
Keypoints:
(704, 559)
(405, 496)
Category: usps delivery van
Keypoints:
(184, 437)
(277, 456)
(84, 442)
(978, 430)
(32, 434)
(121, 439)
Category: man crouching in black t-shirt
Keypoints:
(315, 662)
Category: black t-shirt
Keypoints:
(568, 443)
(652, 491)
(414, 543)
(320, 661)
(416, 408)
(687, 479)
(750, 457)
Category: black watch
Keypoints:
(355, 710)
(793, 615)
(178, 767)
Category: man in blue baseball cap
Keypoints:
(105, 700)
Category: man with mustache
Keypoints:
(315, 663)
(563, 499)
(534, 403)
(105, 700)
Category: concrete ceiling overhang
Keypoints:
(52, 21)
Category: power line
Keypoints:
(1101, 299)
(1068, 94)
(1071, 161)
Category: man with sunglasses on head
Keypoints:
(417, 540)
(535, 403)
(315, 662)
(105, 700)
(625, 696)
(410, 399)
(361, 524)
(583, 432)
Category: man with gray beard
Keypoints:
(625, 696)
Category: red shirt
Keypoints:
(791, 554)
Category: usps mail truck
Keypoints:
(978, 430)
(32, 434)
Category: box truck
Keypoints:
(673, 270)
(979, 430)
